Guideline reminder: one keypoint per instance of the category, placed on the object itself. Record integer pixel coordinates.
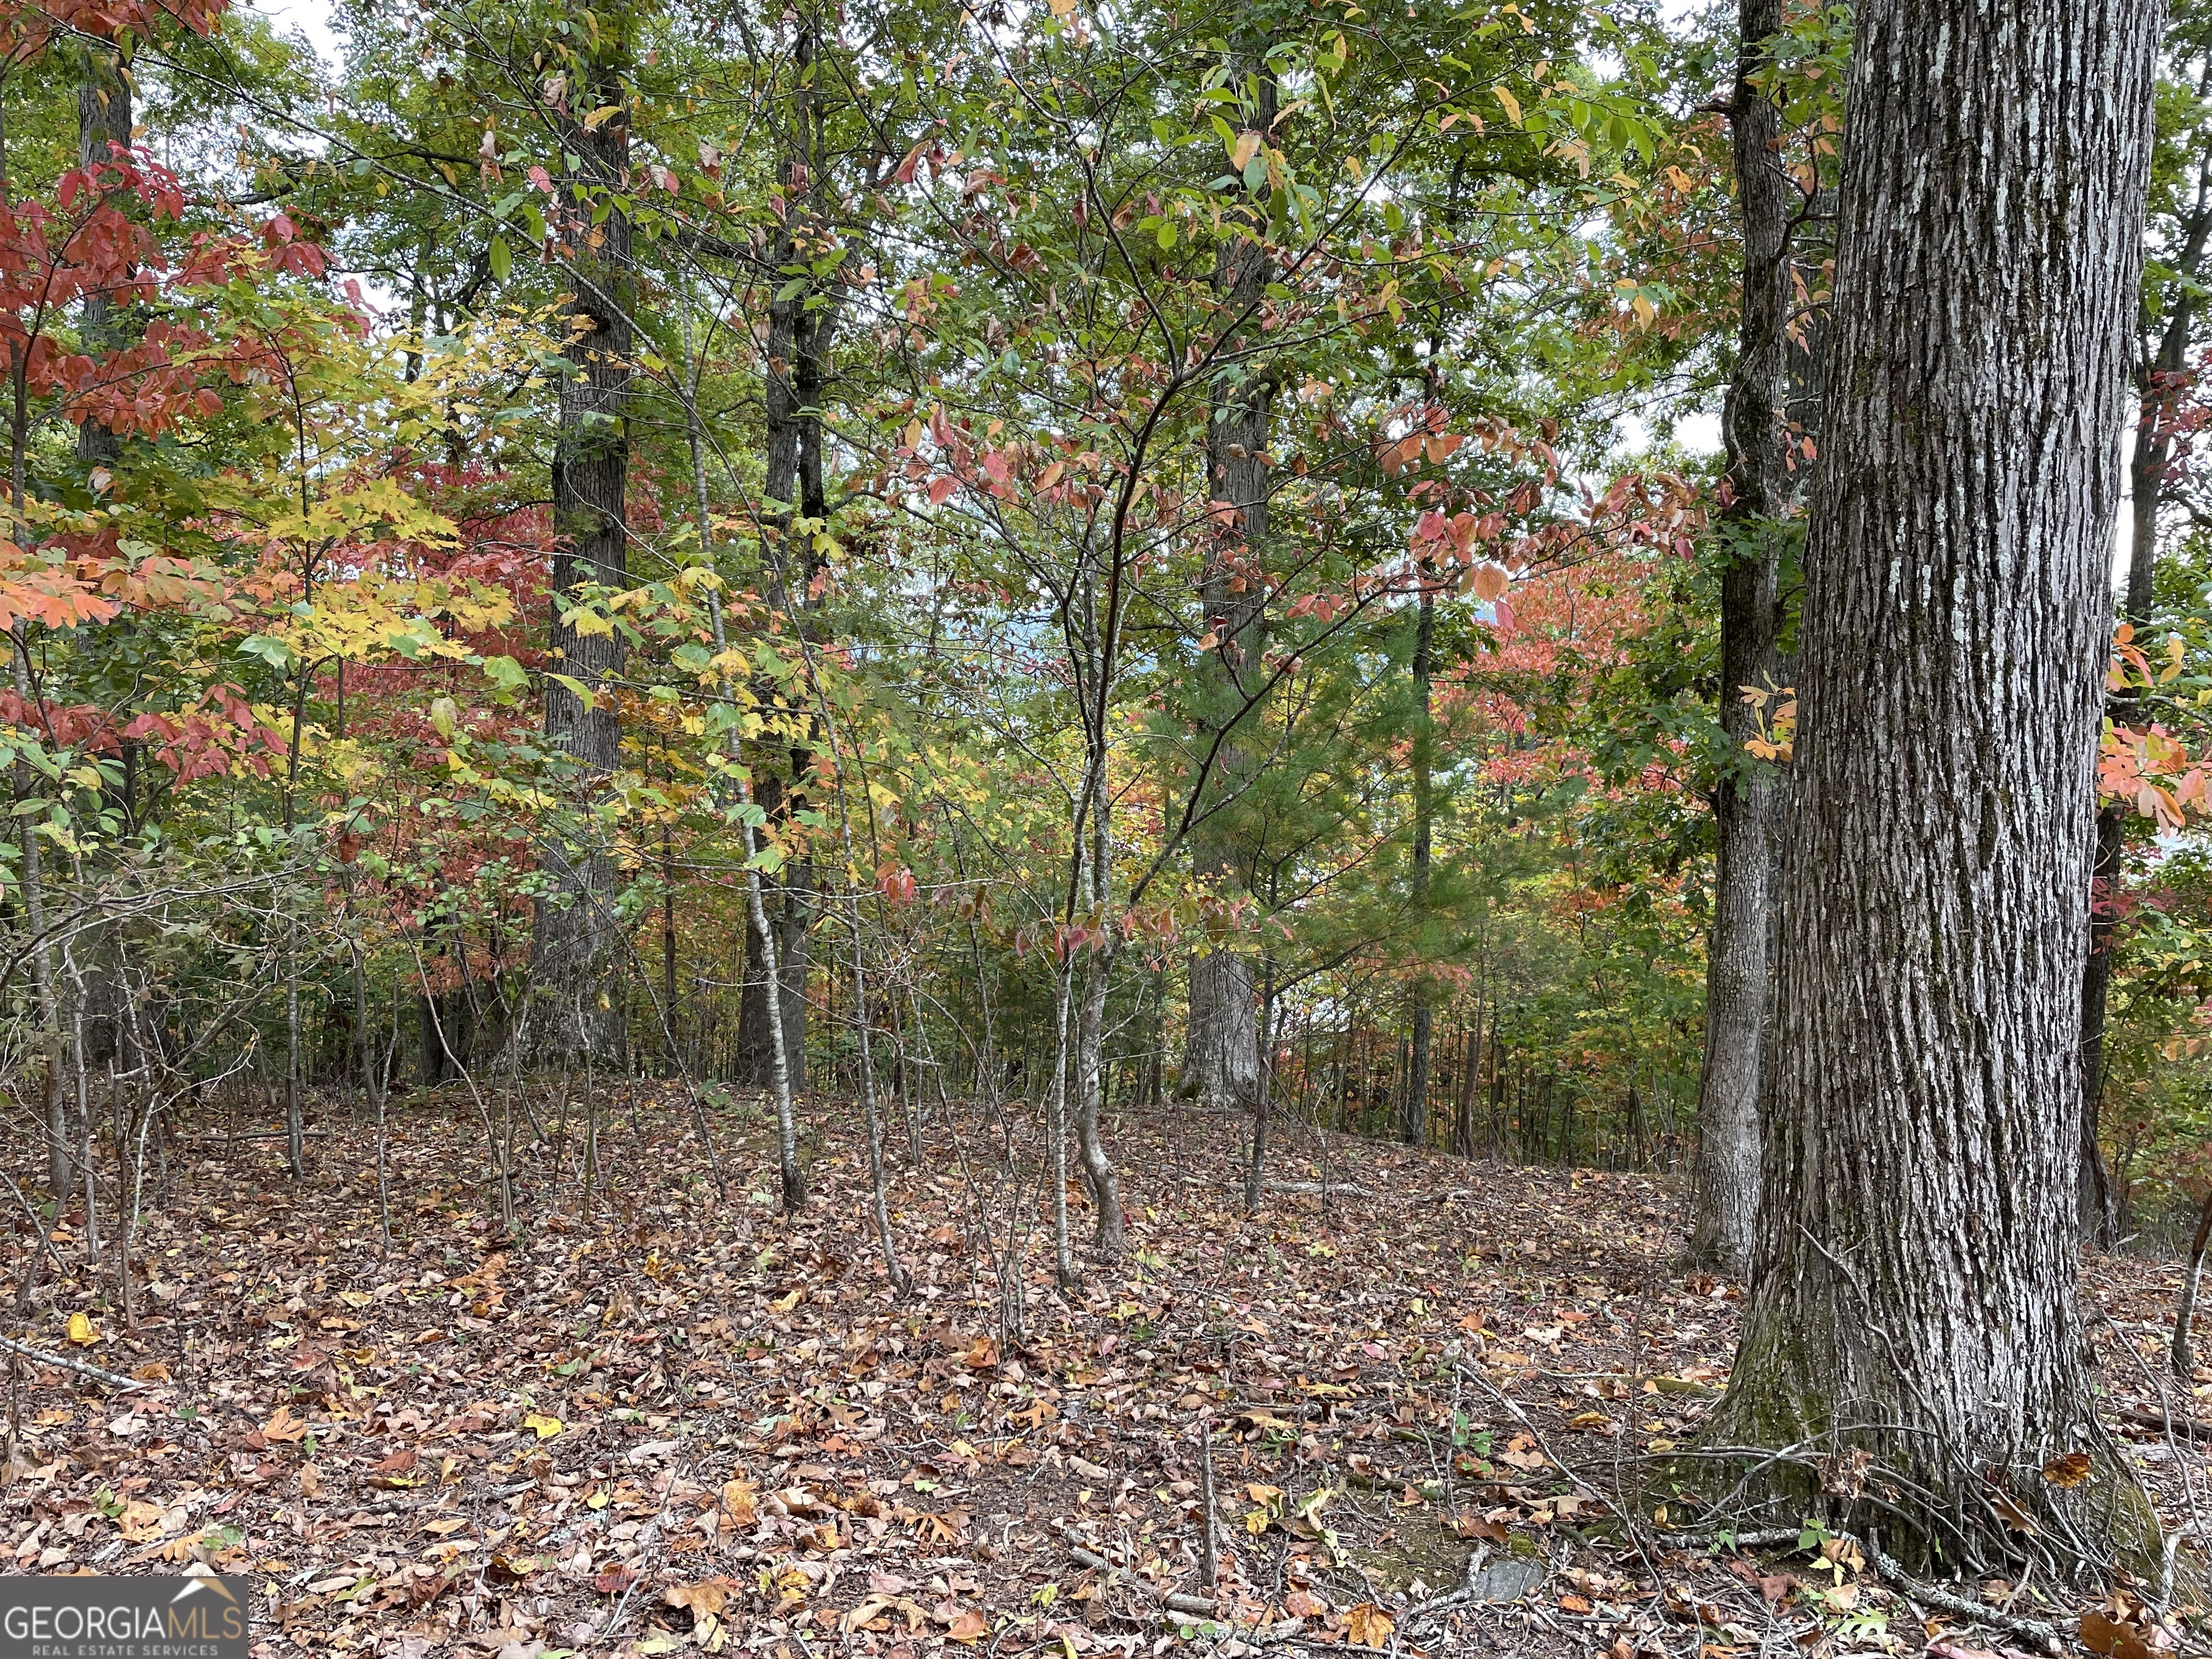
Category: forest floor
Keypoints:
(666, 1416)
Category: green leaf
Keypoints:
(576, 689)
(500, 258)
(508, 675)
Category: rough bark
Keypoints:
(1748, 796)
(1221, 1056)
(1911, 1344)
(577, 930)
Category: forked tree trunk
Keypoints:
(1913, 1292)
(1747, 795)
(577, 928)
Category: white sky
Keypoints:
(309, 17)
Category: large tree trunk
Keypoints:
(572, 948)
(1221, 1055)
(1748, 797)
(1910, 1341)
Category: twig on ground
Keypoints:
(2050, 1637)
(40, 1357)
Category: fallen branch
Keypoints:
(62, 1361)
(1191, 1607)
(1175, 1602)
(2164, 1422)
(2050, 1637)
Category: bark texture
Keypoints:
(1221, 1059)
(1748, 796)
(577, 930)
(1911, 1322)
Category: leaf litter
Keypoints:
(664, 1419)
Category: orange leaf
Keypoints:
(971, 1626)
(1367, 1625)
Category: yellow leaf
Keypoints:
(547, 1427)
(785, 1303)
(1246, 147)
(1512, 108)
(81, 1330)
(708, 1597)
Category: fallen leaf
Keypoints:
(2068, 1470)
(971, 1626)
(708, 1597)
(738, 1503)
(1367, 1625)
(283, 1426)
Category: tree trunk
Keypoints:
(788, 907)
(1413, 1123)
(1221, 1058)
(573, 947)
(802, 328)
(103, 128)
(1748, 796)
(1094, 896)
(1912, 1323)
